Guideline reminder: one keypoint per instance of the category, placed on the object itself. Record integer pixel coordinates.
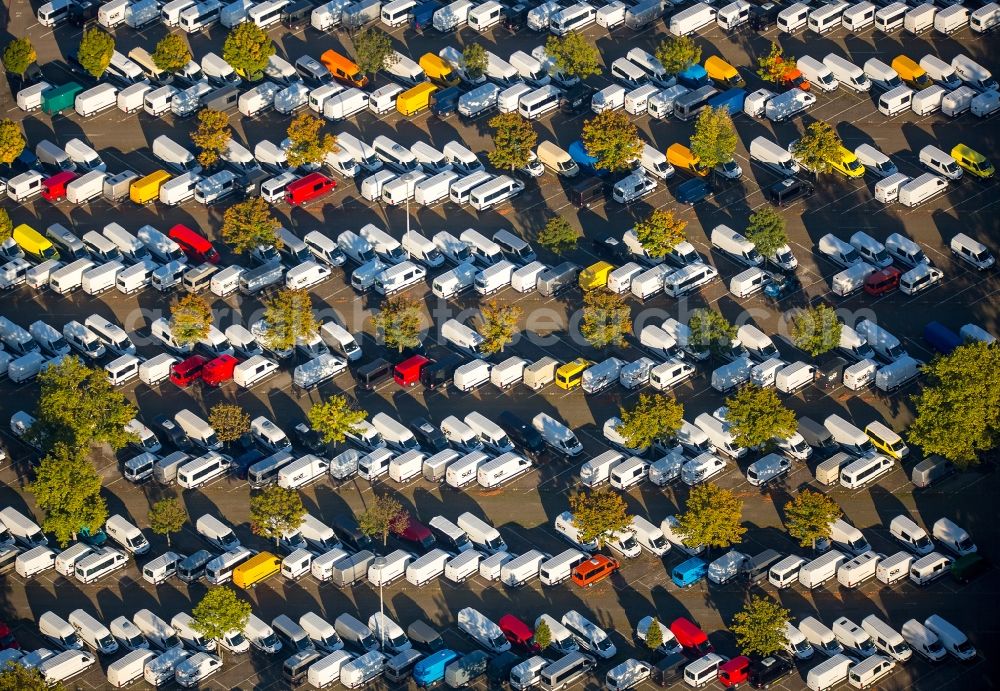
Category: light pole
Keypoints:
(379, 564)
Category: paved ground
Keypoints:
(525, 509)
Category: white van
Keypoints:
(847, 73)
(953, 640)
(953, 538)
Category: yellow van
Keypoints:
(848, 164)
(973, 161)
(147, 188)
(595, 276)
(570, 375)
(887, 441)
(682, 158)
(912, 74)
(412, 101)
(256, 569)
(438, 71)
(723, 74)
(34, 244)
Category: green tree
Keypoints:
(599, 513)
(677, 53)
(167, 517)
(498, 325)
(760, 627)
(558, 236)
(816, 330)
(710, 330)
(171, 54)
(334, 418)
(68, 490)
(15, 677)
(11, 141)
(398, 322)
(958, 411)
(474, 61)
(78, 407)
(607, 319)
(248, 49)
(384, 515)
(574, 55)
(654, 417)
(714, 140)
(808, 517)
(766, 230)
(211, 136)
(250, 224)
(275, 511)
(773, 66)
(654, 635)
(542, 636)
(757, 417)
(6, 226)
(613, 139)
(229, 421)
(817, 147)
(96, 48)
(190, 319)
(309, 145)
(660, 232)
(18, 56)
(373, 49)
(513, 141)
(289, 317)
(218, 613)
(711, 517)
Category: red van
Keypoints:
(54, 188)
(308, 188)
(418, 534)
(218, 371)
(197, 249)
(407, 373)
(7, 640)
(734, 672)
(593, 570)
(882, 282)
(518, 634)
(692, 639)
(188, 371)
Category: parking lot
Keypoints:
(525, 509)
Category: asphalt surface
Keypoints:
(525, 509)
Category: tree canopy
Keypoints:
(382, 516)
(599, 513)
(211, 136)
(816, 330)
(710, 330)
(654, 417)
(613, 139)
(309, 145)
(289, 316)
(250, 224)
(96, 48)
(574, 55)
(558, 235)
(6, 226)
(712, 517)
(766, 230)
(660, 232)
(808, 517)
(756, 417)
(12, 141)
(229, 421)
(275, 511)
(248, 49)
(373, 50)
(190, 319)
(68, 490)
(677, 53)
(16, 677)
(18, 55)
(219, 612)
(167, 516)
(607, 319)
(474, 61)
(773, 66)
(818, 147)
(497, 325)
(334, 418)
(760, 626)
(172, 53)
(398, 322)
(714, 140)
(514, 141)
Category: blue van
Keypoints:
(578, 152)
(430, 670)
(731, 99)
(444, 102)
(941, 338)
(423, 15)
(694, 77)
(688, 572)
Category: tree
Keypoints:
(11, 141)
(599, 513)
(757, 417)
(710, 330)
(6, 226)
(229, 421)
(78, 407)
(334, 418)
(474, 61)
(16, 677)
(211, 136)
(383, 516)
(660, 232)
(613, 139)
(817, 147)
(773, 66)
(190, 319)
(96, 48)
(558, 236)
(714, 139)
(308, 145)
(498, 325)
(289, 317)
(172, 53)
(654, 635)
(68, 489)
(398, 322)
(760, 627)
(958, 411)
(766, 230)
(18, 56)
(677, 53)
(248, 49)
(816, 330)
(513, 141)
(374, 51)
(808, 517)
(607, 318)
(574, 55)
(166, 517)
(542, 636)
(219, 612)
(249, 224)
(275, 511)
(711, 517)
(653, 417)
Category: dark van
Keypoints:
(369, 375)
(521, 433)
(788, 191)
(438, 373)
(444, 102)
(588, 192)
(576, 98)
(347, 530)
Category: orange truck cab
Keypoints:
(793, 78)
(594, 570)
(343, 69)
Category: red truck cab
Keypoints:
(54, 188)
(186, 372)
(307, 188)
(197, 248)
(407, 372)
(518, 634)
(218, 371)
(692, 639)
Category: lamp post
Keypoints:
(379, 564)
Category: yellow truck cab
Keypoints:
(887, 441)
(147, 188)
(847, 164)
(595, 276)
(912, 74)
(723, 74)
(415, 100)
(682, 158)
(973, 161)
(34, 244)
(570, 375)
(438, 71)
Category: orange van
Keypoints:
(594, 570)
(344, 70)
